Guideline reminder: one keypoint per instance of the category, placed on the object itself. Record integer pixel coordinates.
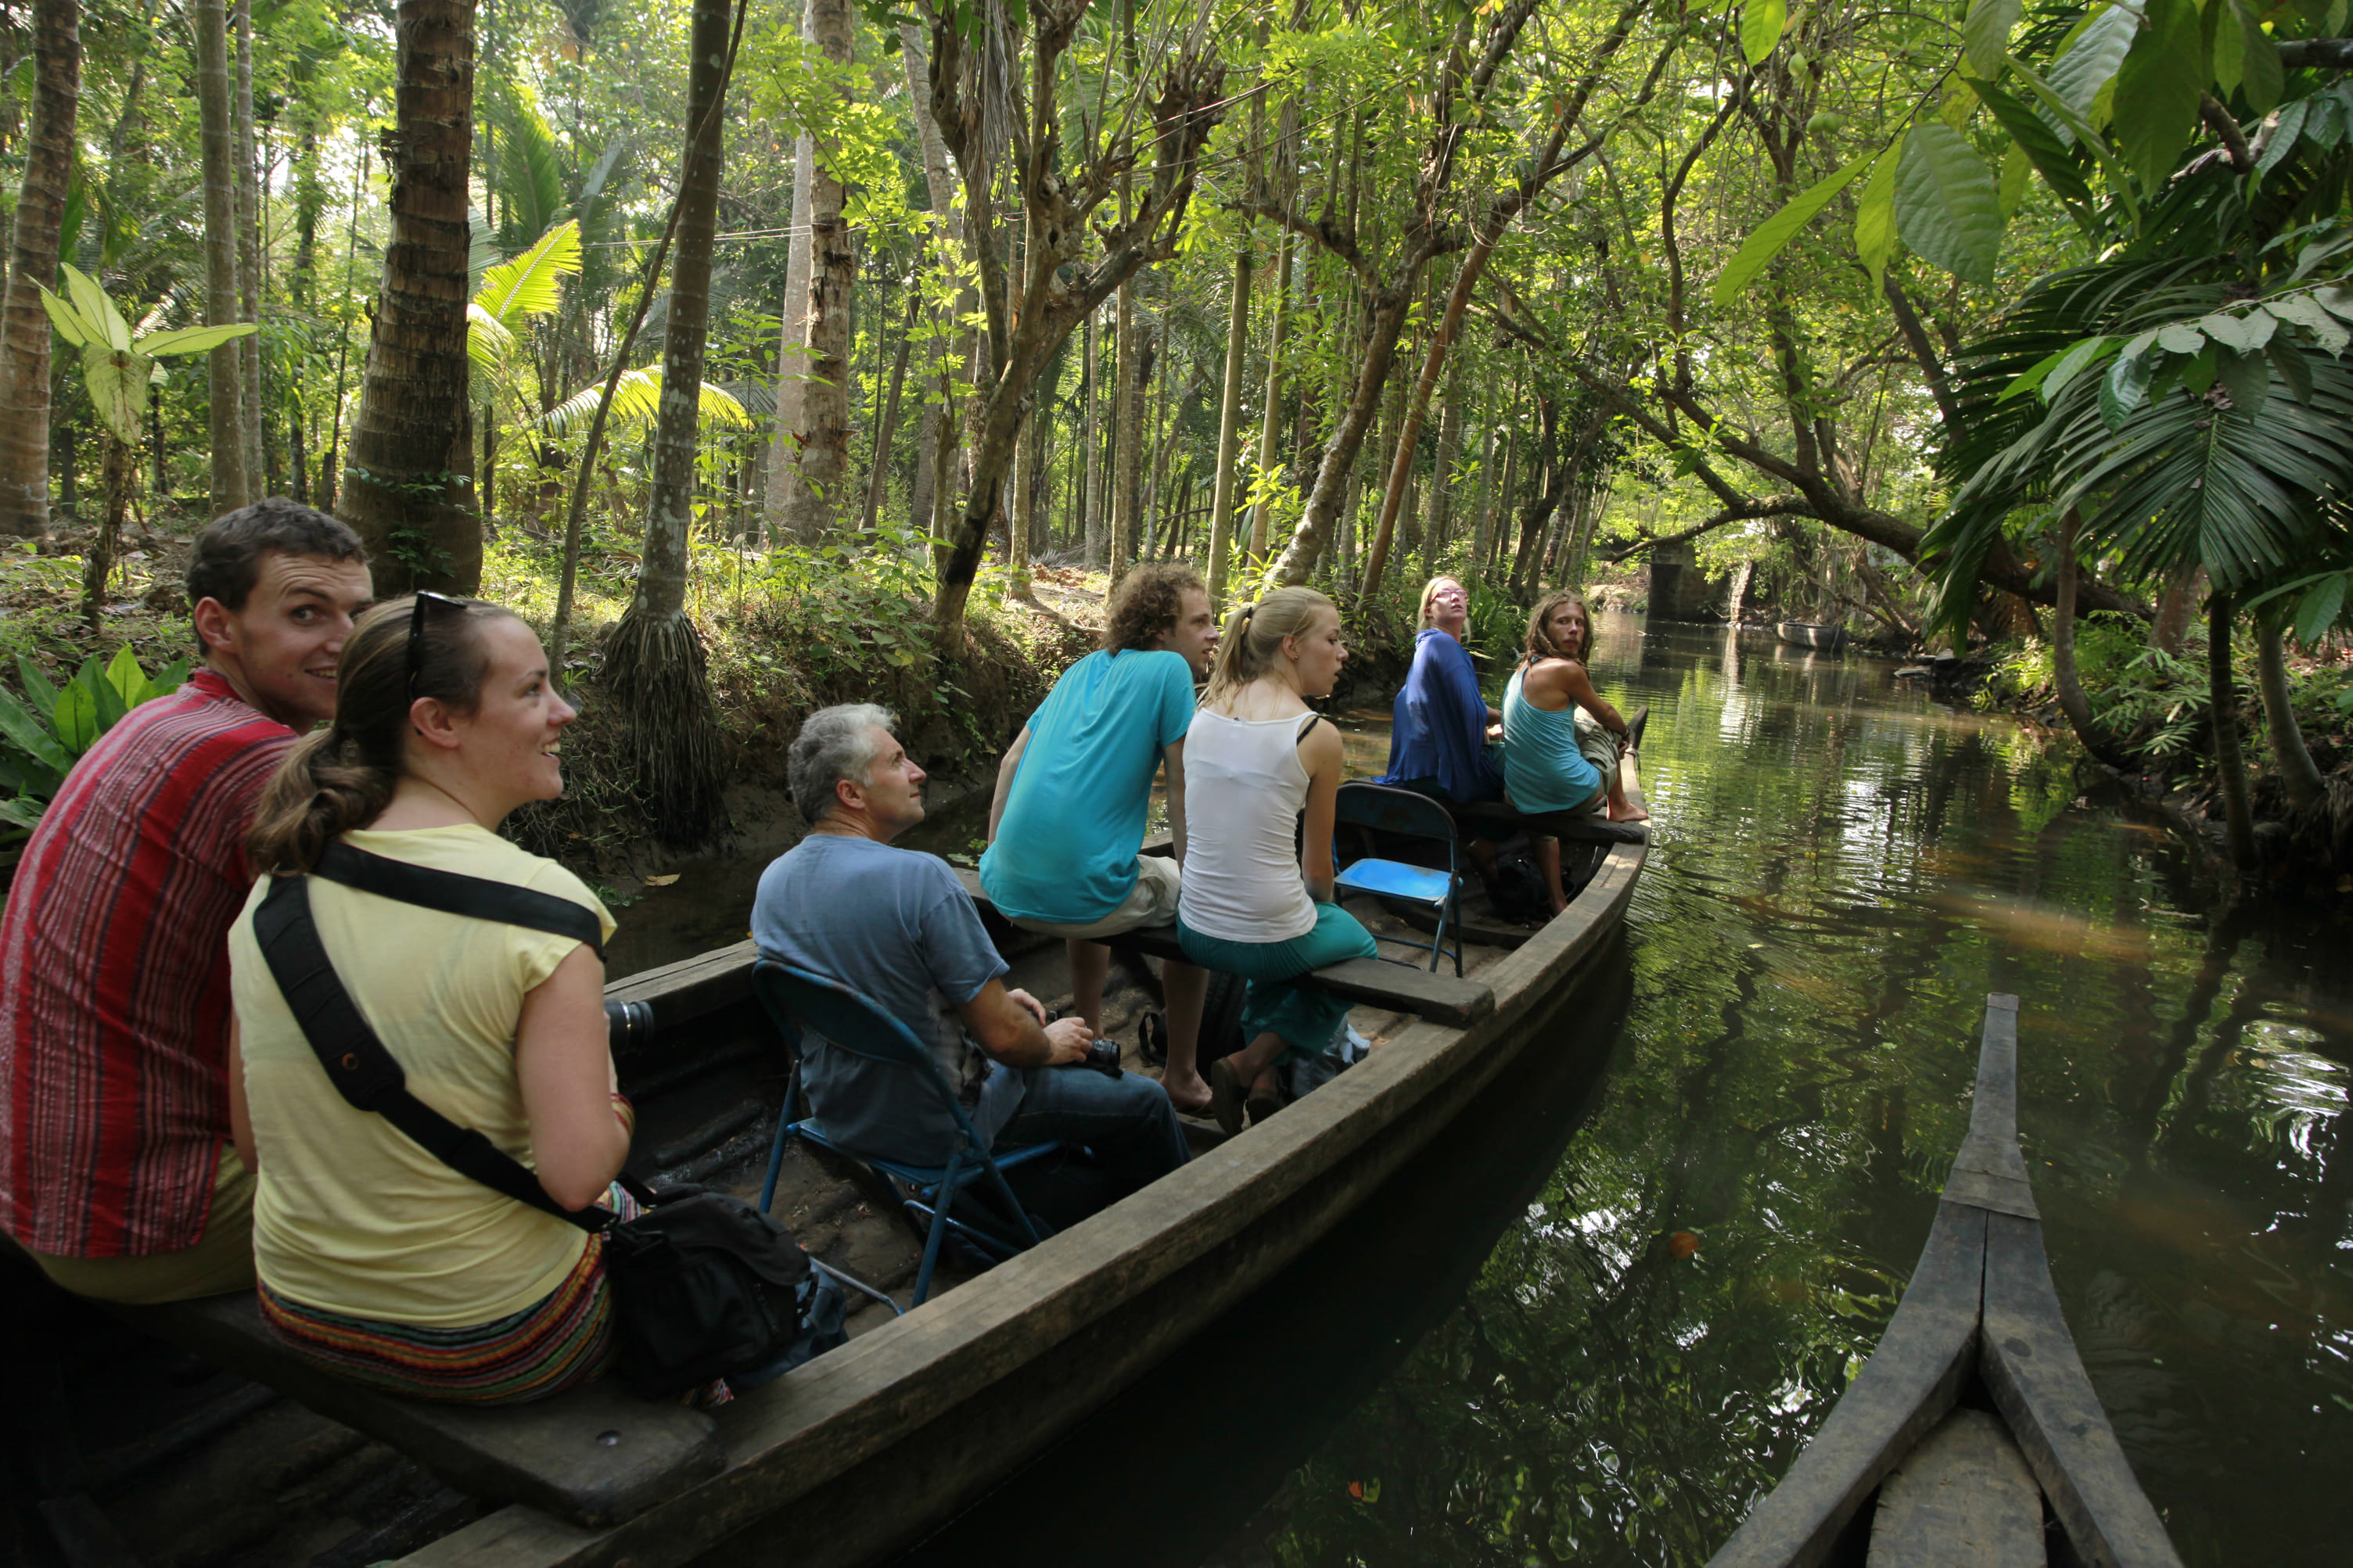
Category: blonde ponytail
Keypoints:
(1254, 637)
(343, 776)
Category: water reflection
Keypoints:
(1844, 869)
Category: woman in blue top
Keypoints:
(1437, 735)
(1553, 765)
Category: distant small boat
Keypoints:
(1804, 633)
(1972, 1428)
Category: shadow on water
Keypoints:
(1324, 1332)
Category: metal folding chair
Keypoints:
(1372, 808)
(795, 1000)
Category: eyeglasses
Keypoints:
(417, 627)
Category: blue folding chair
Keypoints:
(795, 1000)
(1380, 808)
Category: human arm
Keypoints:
(1010, 1025)
(240, 1116)
(565, 1069)
(1173, 758)
(1005, 772)
(1578, 687)
(1320, 752)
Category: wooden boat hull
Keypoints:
(867, 1448)
(1804, 633)
(1979, 1321)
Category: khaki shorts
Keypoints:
(220, 1263)
(1151, 902)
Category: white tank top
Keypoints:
(1244, 787)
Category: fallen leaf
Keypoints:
(661, 881)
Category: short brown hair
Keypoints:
(1540, 644)
(227, 560)
(343, 776)
(1145, 607)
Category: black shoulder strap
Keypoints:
(362, 1071)
(453, 894)
(1300, 737)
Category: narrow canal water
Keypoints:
(1604, 1312)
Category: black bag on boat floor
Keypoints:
(703, 1285)
(1515, 888)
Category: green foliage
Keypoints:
(45, 732)
(118, 367)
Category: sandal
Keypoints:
(1262, 1103)
(1226, 1097)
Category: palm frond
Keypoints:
(526, 286)
(639, 398)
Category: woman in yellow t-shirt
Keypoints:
(374, 1256)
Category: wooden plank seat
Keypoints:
(1441, 998)
(594, 1456)
(1491, 815)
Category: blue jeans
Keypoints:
(1305, 1020)
(1126, 1120)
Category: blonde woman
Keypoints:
(1438, 733)
(1553, 765)
(376, 1259)
(1256, 757)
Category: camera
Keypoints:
(1103, 1056)
(628, 1025)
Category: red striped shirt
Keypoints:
(114, 999)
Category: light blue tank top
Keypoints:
(1543, 770)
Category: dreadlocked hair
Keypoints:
(1541, 643)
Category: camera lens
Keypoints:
(628, 1025)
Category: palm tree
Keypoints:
(654, 671)
(33, 267)
(410, 482)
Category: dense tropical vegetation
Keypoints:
(683, 326)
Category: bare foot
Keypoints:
(1190, 1096)
(1628, 814)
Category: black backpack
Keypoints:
(1515, 888)
(705, 1285)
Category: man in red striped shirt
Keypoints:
(116, 1170)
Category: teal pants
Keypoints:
(1306, 1020)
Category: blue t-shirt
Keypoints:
(1066, 847)
(1439, 728)
(896, 925)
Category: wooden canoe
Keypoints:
(1806, 634)
(870, 1446)
(1972, 1433)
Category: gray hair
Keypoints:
(835, 743)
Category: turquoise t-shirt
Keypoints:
(1066, 847)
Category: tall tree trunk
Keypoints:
(1126, 415)
(1230, 409)
(1441, 473)
(1025, 505)
(2175, 601)
(654, 672)
(2297, 770)
(1323, 508)
(230, 487)
(408, 484)
(1271, 427)
(2230, 757)
(813, 503)
(879, 465)
(1090, 522)
(32, 266)
(248, 254)
(1499, 509)
(2072, 698)
(792, 332)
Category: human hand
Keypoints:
(1067, 1040)
(1035, 1008)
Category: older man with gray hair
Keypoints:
(896, 925)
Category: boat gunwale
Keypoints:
(821, 1420)
(1980, 1305)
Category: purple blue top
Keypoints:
(1439, 732)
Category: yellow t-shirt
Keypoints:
(349, 1214)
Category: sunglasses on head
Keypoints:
(417, 627)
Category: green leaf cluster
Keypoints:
(46, 731)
